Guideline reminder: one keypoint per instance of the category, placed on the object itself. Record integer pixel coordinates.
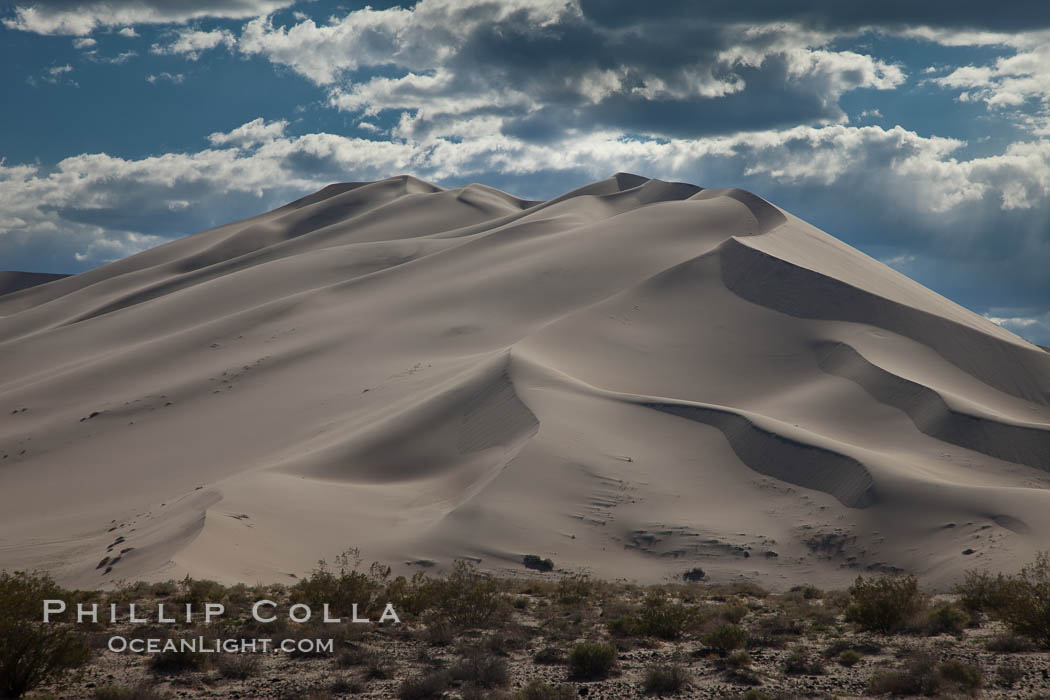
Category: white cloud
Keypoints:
(84, 43)
(175, 78)
(885, 169)
(119, 59)
(59, 17)
(128, 32)
(254, 132)
(191, 43)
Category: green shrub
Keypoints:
(962, 675)
(807, 591)
(197, 592)
(531, 561)
(344, 588)
(665, 679)
(591, 660)
(623, 626)
(799, 662)
(422, 687)
(666, 619)
(922, 675)
(31, 652)
(572, 590)
(482, 668)
(849, 658)
(739, 659)
(1010, 673)
(884, 604)
(238, 666)
(726, 638)
(538, 690)
(1009, 644)
(733, 613)
(982, 592)
(1027, 610)
(917, 677)
(178, 660)
(142, 691)
(694, 574)
(467, 598)
(947, 619)
(413, 596)
(549, 656)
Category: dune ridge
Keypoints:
(634, 378)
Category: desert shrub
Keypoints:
(861, 646)
(733, 613)
(807, 591)
(573, 590)
(238, 666)
(1007, 643)
(694, 574)
(538, 690)
(917, 677)
(963, 676)
(143, 691)
(31, 652)
(922, 675)
(946, 619)
(665, 679)
(481, 668)
(428, 685)
(754, 694)
(466, 597)
(1009, 673)
(591, 660)
(982, 592)
(726, 638)
(178, 660)
(531, 561)
(200, 591)
(1027, 610)
(549, 656)
(849, 658)
(413, 596)
(623, 626)
(346, 686)
(343, 588)
(799, 662)
(666, 619)
(884, 604)
(439, 632)
(377, 666)
(739, 659)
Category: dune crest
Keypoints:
(635, 378)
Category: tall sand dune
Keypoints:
(634, 379)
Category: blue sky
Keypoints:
(917, 132)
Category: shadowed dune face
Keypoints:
(633, 379)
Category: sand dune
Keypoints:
(635, 378)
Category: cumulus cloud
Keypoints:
(80, 18)
(254, 132)
(550, 66)
(191, 43)
(175, 78)
(869, 171)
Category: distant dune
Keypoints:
(633, 379)
(11, 281)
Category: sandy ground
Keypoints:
(632, 379)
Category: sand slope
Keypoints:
(633, 379)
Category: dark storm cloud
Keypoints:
(832, 15)
(675, 80)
